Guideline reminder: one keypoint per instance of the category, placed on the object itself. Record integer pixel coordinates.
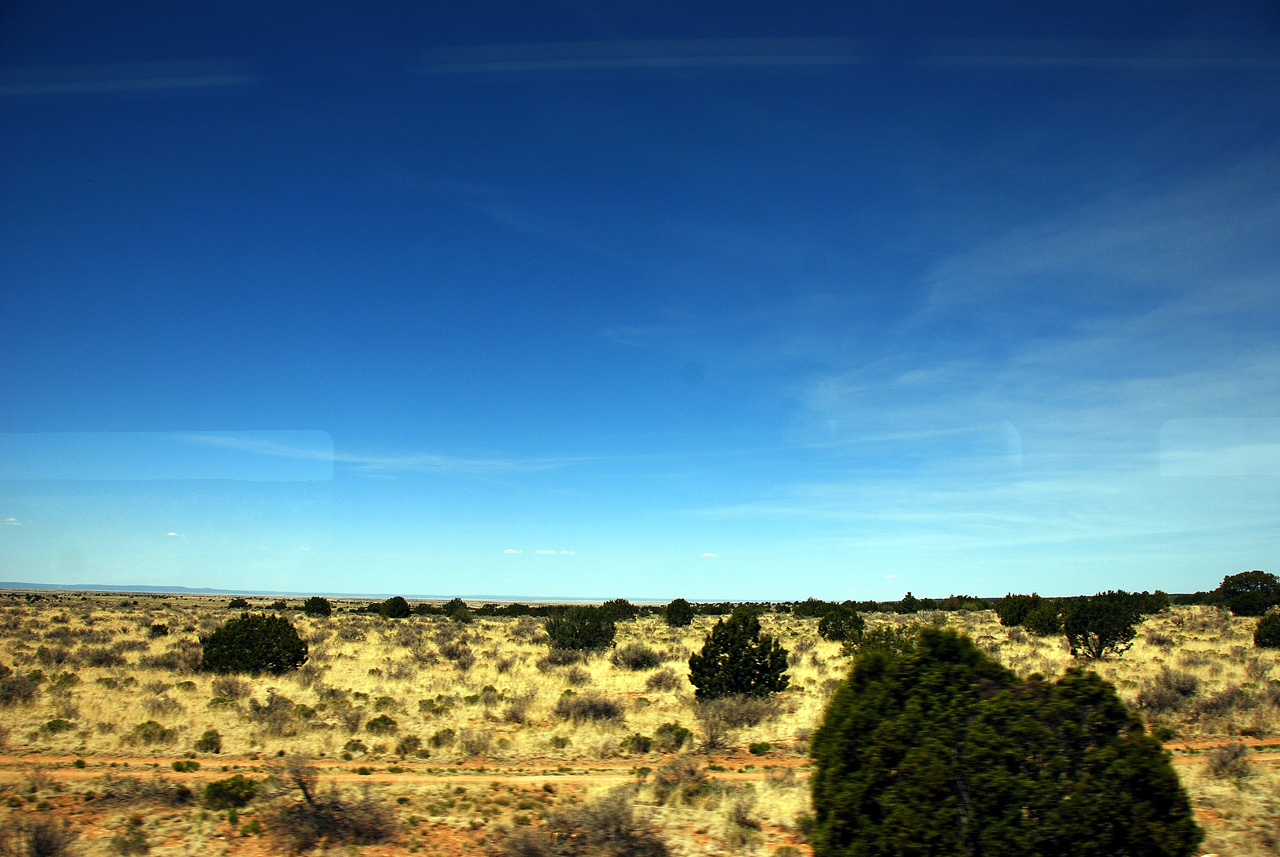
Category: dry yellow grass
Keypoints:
(481, 701)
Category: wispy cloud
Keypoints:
(513, 550)
(374, 464)
(710, 555)
(551, 552)
(131, 78)
(12, 522)
(171, 534)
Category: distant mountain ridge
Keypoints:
(190, 590)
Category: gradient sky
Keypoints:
(649, 301)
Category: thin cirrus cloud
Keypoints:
(542, 552)
(710, 555)
(171, 534)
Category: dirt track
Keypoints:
(738, 767)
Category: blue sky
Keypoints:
(653, 303)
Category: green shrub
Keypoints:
(678, 614)
(395, 607)
(581, 629)
(151, 732)
(619, 610)
(588, 706)
(186, 766)
(1013, 609)
(158, 630)
(635, 656)
(1249, 593)
(942, 751)
(209, 742)
(234, 791)
(894, 639)
(1102, 625)
(605, 826)
(638, 743)
(131, 839)
(238, 604)
(317, 606)
(670, 737)
(457, 610)
(254, 644)
(737, 659)
(841, 624)
(1044, 619)
(57, 726)
(759, 748)
(1267, 634)
(382, 725)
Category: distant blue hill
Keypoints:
(191, 590)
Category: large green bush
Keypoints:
(317, 606)
(942, 751)
(841, 624)
(679, 613)
(581, 629)
(395, 607)
(737, 659)
(1101, 625)
(254, 644)
(1267, 634)
(1250, 593)
(1013, 609)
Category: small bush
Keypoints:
(1267, 634)
(102, 657)
(670, 737)
(230, 687)
(382, 725)
(158, 630)
(410, 745)
(759, 748)
(664, 679)
(254, 644)
(37, 837)
(635, 656)
(209, 742)
(151, 732)
(1168, 691)
(235, 791)
(16, 689)
(1229, 762)
(474, 742)
(326, 820)
(679, 780)
(638, 743)
(588, 706)
(443, 738)
(238, 604)
(131, 839)
(605, 826)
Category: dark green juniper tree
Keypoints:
(581, 629)
(678, 613)
(942, 751)
(254, 644)
(1250, 593)
(737, 659)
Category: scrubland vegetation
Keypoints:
(461, 732)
